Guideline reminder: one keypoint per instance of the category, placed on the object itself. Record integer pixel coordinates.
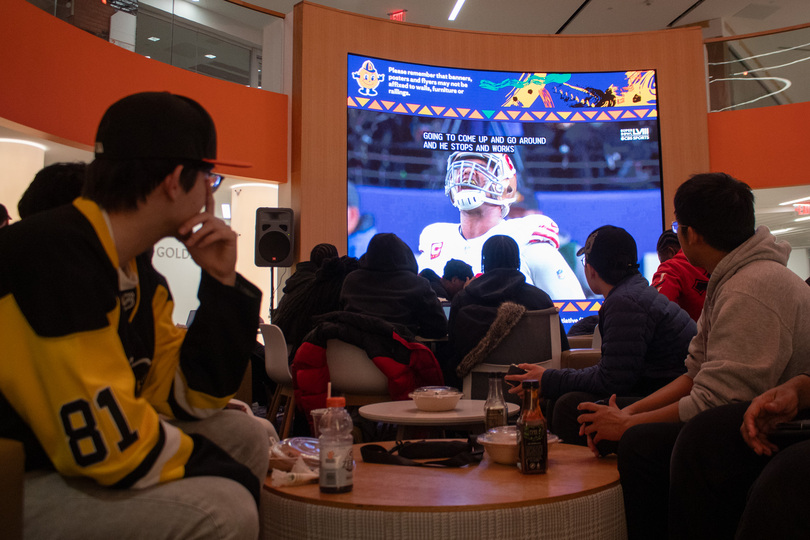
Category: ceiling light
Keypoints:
(211, 56)
(802, 219)
(456, 9)
(787, 203)
(781, 231)
(153, 38)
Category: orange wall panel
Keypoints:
(765, 147)
(59, 80)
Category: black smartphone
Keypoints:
(514, 370)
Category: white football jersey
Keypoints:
(536, 236)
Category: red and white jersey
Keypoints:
(537, 237)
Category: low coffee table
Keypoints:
(578, 498)
(468, 413)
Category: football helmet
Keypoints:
(475, 178)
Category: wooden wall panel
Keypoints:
(324, 36)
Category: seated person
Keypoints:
(119, 411)
(752, 337)
(731, 472)
(475, 308)
(305, 270)
(386, 285)
(54, 185)
(297, 311)
(644, 336)
(456, 276)
(677, 278)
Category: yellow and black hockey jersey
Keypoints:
(87, 370)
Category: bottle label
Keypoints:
(533, 448)
(495, 416)
(337, 464)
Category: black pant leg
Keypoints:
(779, 500)
(711, 472)
(644, 455)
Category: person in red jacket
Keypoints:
(677, 278)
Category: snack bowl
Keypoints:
(500, 444)
(435, 398)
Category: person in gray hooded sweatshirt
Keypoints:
(752, 336)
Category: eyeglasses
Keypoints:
(215, 180)
(675, 227)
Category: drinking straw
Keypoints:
(328, 390)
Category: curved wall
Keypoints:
(58, 81)
(324, 36)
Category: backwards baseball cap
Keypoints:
(610, 248)
(158, 125)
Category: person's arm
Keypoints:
(626, 333)
(608, 422)
(779, 404)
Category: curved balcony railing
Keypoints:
(759, 70)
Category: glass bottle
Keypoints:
(532, 433)
(335, 442)
(495, 406)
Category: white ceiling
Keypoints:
(587, 16)
(730, 17)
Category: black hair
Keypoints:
(321, 252)
(457, 269)
(53, 186)
(719, 207)
(117, 185)
(668, 241)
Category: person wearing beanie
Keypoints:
(644, 336)
(121, 413)
(475, 308)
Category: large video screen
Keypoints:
(446, 158)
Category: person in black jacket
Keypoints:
(386, 285)
(475, 307)
(645, 336)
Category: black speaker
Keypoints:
(274, 236)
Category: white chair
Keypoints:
(278, 369)
(535, 339)
(353, 374)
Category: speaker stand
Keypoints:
(272, 293)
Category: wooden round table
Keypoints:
(579, 497)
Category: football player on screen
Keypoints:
(483, 186)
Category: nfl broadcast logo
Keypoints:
(635, 134)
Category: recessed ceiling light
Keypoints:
(153, 38)
(212, 56)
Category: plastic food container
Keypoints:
(435, 398)
(500, 444)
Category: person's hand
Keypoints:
(778, 404)
(533, 371)
(211, 243)
(602, 422)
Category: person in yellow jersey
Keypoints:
(121, 412)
